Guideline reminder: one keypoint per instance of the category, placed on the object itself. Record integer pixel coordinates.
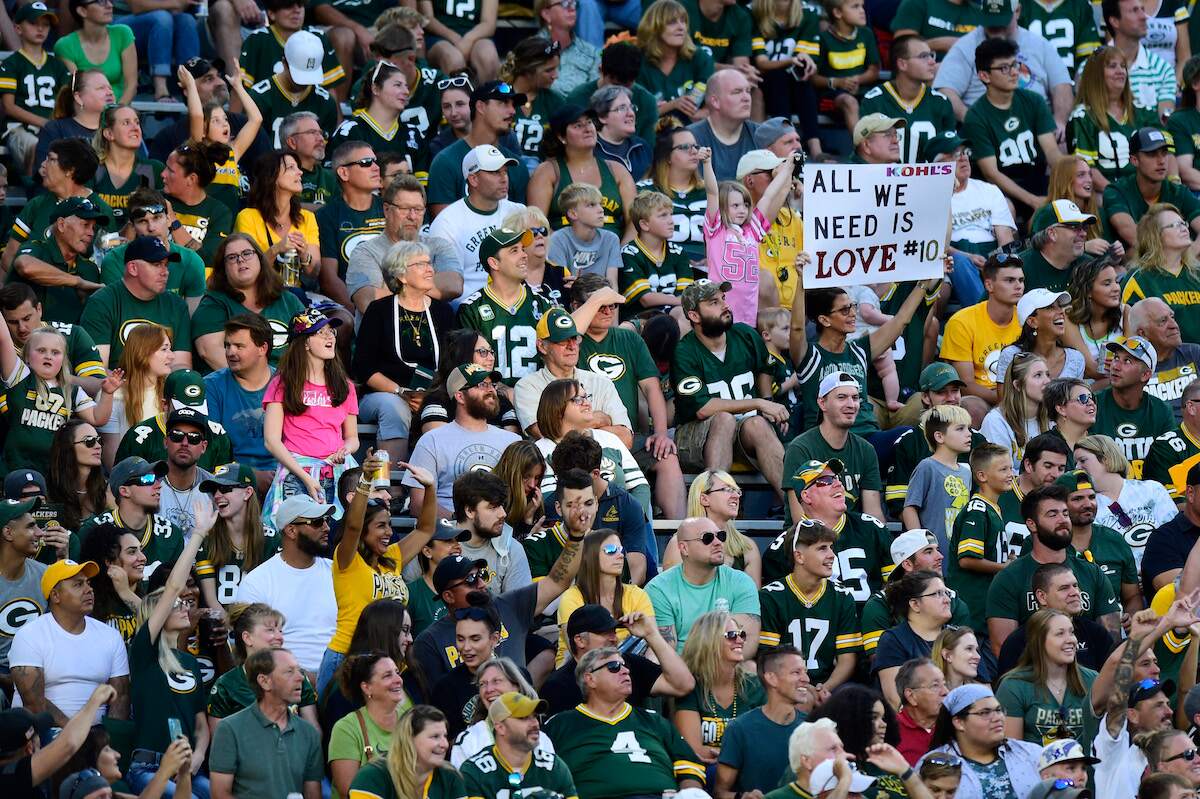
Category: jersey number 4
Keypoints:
(626, 743)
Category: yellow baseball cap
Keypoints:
(64, 570)
(514, 705)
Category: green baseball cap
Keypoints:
(81, 207)
(35, 11)
(1076, 480)
(937, 376)
(468, 376)
(556, 325)
(229, 475)
(14, 508)
(995, 13)
(498, 239)
(185, 389)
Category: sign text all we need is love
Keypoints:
(875, 223)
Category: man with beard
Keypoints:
(1126, 411)
(297, 582)
(403, 215)
(493, 109)
(136, 487)
(722, 378)
(1178, 362)
(20, 574)
(1011, 599)
(1045, 459)
(183, 388)
(468, 443)
(212, 88)
(1101, 545)
(301, 134)
(514, 720)
(187, 441)
(234, 394)
(575, 503)
(479, 508)
(863, 545)
(1055, 587)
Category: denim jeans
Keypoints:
(330, 662)
(163, 38)
(592, 14)
(141, 773)
(966, 282)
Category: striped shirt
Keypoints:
(1152, 80)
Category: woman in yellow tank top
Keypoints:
(365, 566)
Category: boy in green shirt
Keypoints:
(849, 58)
(29, 82)
(654, 270)
(977, 541)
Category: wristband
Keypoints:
(906, 775)
(175, 226)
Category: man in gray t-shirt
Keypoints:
(21, 597)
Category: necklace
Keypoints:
(184, 502)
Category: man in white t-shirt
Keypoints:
(297, 582)
(60, 658)
(467, 221)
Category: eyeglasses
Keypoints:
(566, 4)
(622, 109)
(313, 132)
(407, 209)
(735, 635)
(486, 384)
(581, 399)
(612, 549)
(724, 489)
(472, 614)
(457, 82)
(940, 594)
(88, 441)
(709, 537)
(986, 712)
(824, 481)
(367, 162)
(148, 479)
(846, 310)
(1085, 398)
(1178, 224)
(473, 579)
(612, 666)
(485, 352)
(1187, 754)
(539, 231)
(1005, 69)
(245, 256)
(177, 436)
(933, 686)
(686, 148)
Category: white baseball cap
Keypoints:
(909, 543)
(836, 380)
(300, 506)
(484, 158)
(756, 161)
(1036, 299)
(823, 779)
(304, 55)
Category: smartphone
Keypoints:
(174, 729)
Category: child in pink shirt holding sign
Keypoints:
(734, 227)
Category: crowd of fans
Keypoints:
(430, 410)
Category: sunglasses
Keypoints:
(321, 522)
(227, 489)
(145, 211)
(148, 479)
(943, 761)
(1187, 754)
(612, 667)
(735, 635)
(473, 579)
(824, 481)
(1085, 399)
(539, 231)
(581, 399)
(89, 441)
(613, 549)
(365, 163)
(178, 436)
(458, 82)
(710, 536)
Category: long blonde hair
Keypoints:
(704, 654)
(1012, 405)
(656, 19)
(143, 342)
(1062, 175)
(168, 661)
(1150, 242)
(63, 378)
(1034, 666)
(402, 756)
(1091, 90)
(736, 544)
(764, 17)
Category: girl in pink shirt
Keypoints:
(734, 227)
(311, 420)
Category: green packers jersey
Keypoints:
(698, 375)
(933, 19)
(912, 448)
(643, 272)
(687, 76)
(229, 575)
(804, 38)
(510, 329)
(34, 412)
(318, 186)
(687, 215)
(113, 312)
(1069, 26)
(148, 439)
(532, 122)
(208, 222)
(1017, 538)
(822, 626)
(714, 718)
(343, 228)
(52, 513)
(81, 351)
(1134, 431)
(908, 349)
(1169, 651)
(1010, 595)
(845, 58)
(860, 472)
(1169, 458)
(1041, 274)
(877, 616)
(397, 138)
(60, 304)
(147, 173)
(185, 277)
(457, 15)
(1181, 292)
(1184, 129)
(725, 38)
(855, 360)
(978, 533)
(864, 558)
(623, 358)
(34, 220)
(33, 84)
(161, 540)
(1106, 150)
(488, 776)
(232, 692)
(262, 57)
(423, 607)
(277, 103)
(1110, 551)
(1010, 134)
(781, 370)
(637, 752)
(423, 112)
(216, 308)
(928, 116)
(374, 782)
